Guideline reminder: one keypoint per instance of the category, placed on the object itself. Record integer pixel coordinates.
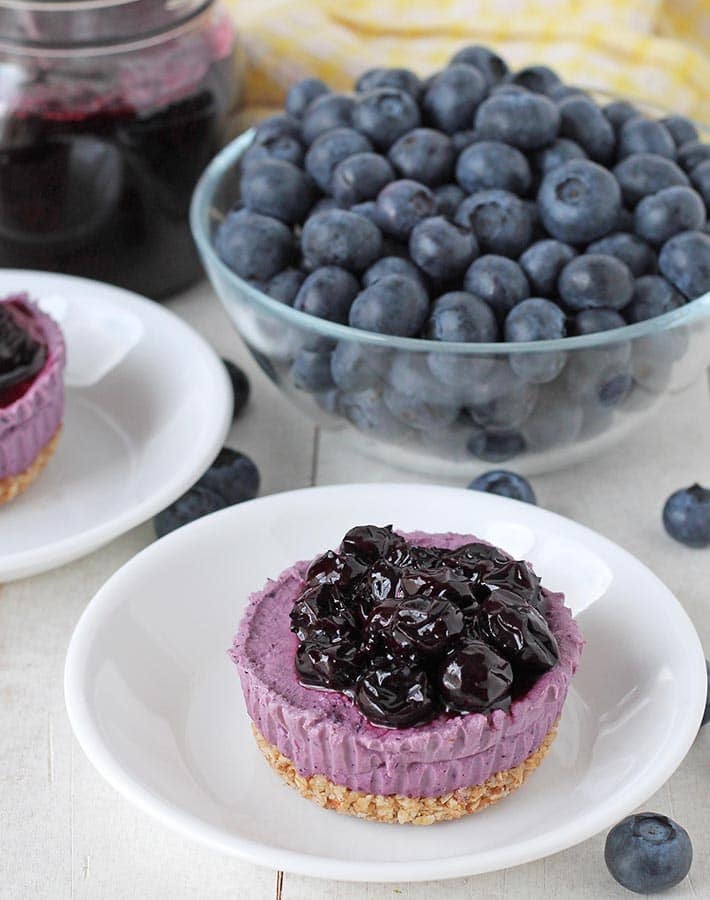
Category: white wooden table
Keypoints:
(65, 833)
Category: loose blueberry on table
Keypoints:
(686, 516)
(648, 853)
(410, 632)
(505, 484)
(512, 192)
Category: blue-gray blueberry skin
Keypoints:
(285, 285)
(536, 319)
(452, 98)
(630, 249)
(424, 155)
(692, 153)
(680, 128)
(542, 263)
(493, 164)
(618, 112)
(599, 376)
(395, 305)
(653, 296)
(256, 247)
(685, 261)
(402, 205)
(648, 853)
(448, 199)
(642, 135)
(505, 484)
(328, 293)
(579, 201)
(641, 174)
(273, 187)
(537, 78)
(302, 94)
(360, 177)
(489, 64)
(341, 238)
(385, 114)
(442, 248)
(499, 281)
(582, 121)
(595, 280)
(522, 119)
(325, 113)
(686, 516)
(658, 217)
(310, 370)
(355, 367)
(507, 412)
(700, 177)
(331, 148)
(500, 221)
(398, 78)
(560, 151)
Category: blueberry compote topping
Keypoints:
(409, 632)
(21, 356)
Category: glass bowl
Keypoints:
(452, 409)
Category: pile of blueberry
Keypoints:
(410, 632)
(475, 205)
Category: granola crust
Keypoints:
(13, 485)
(396, 808)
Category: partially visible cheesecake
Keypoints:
(406, 678)
(32, 358)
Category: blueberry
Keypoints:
(500, 221)
(591, 321)
(496, 446)
(410, 374)
(681, 129)
(539, 79)
(460, 316)
(331, 148)
(601, 375)
(653, 357)
(686, 516)
(508, 411)
(647, 853)
(275, 127)
(672, 210)
(385, 114)
(625, 220)
(324, 204)
(400, 79)
(240, 388)
(390, 265)
(398, 696)
(285, 285)
(310, 370)
(448, 199)
(366, 410)
(476, 379)
(254, 246)
(556, 420)
(328, 292)
(692, 153)
(505, 484)
(325, 113)
(395, 304)
(646, 173)
(497, 280)
(685, 262)
(430, 414)
(341, 238)
(492, 164)
(401, 205)
(642, 135)
(462, 139)
(488, 63)
(302, 94)
(593, 280)
(618, 112)
(524, 120)
(630, 249)
(474, 678)
(283, 147)
(232, 476)
(583, 122)
(700, 176)
(452, 97)
(355, 367)
(542, 263)
(368, 210)
(555, 154)
(536, 319)
(276, 188)
(559, 92)
(442, 248)
(360, 177)
(197, 502)
(579, 201)
(424, 155)
(653, 296)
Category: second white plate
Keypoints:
(157, 707)
(148, 405)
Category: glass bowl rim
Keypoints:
(201, 214)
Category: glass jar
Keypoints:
(109, 112)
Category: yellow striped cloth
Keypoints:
(657, 50)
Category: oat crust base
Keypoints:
(13, 485)
(396, 808)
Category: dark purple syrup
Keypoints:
(99, 157)
(409, 632)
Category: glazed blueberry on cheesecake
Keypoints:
(406, 677)
(31, 392)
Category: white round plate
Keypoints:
(156, 703)
(148, 405)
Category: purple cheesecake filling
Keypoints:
(28, 422)
(322, 732)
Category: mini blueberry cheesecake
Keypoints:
(408, 678)
(32, 357)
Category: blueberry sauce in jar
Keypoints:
(109, 112)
